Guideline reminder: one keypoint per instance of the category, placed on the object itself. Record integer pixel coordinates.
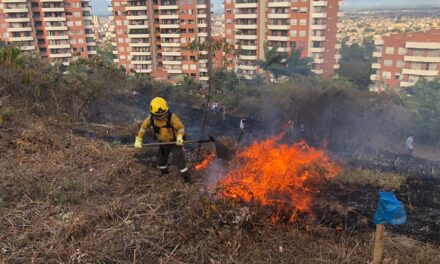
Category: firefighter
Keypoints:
(167, 128)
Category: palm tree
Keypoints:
(295, 65)
(273, 62)
(9, 55)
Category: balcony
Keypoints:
(319, 3)
(61, 55)
(59, 46)
(140, 53)
(168, 7)
(248, 57)
(54, 19)
(319, 27)
(424, 73)
(377, 54)
(139, 44)
(169, 16)
(422, 59)
(279, 4)
(281, 49)
(172, 35)
(56, 28)
(246, 5)
(317, 50)
(202, 16)
(137, 26)
(378, 42)
(278, 38)
(16, 10)
(245, 26)
(171, 53)
(53, 9)
(58, 37)
(374, 77)
(20, 29)
(246, 37)
(170, 44)
(202, 25)
(336, 66)
(14, 1)
(406, 84)
(319, 72)
(133, 36)
(17, 39)
(246, 16)
(318, 38)
(142, 17)
(247, 67)
(141, 62)
(278, 16)
(375, 66)
(92, 52)
(174, 71)
(318, 60)
(143, 70)
(18, 19)
(319, 15)
(169, 26)
(278, 27)
(247, 47)
(201, 6)
(169, 62)
(27, 48)
(135, 8)
(204, 78)
(422, 45)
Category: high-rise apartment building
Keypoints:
(153, 37)
(405, 58)
(57, 29)
(310, 25)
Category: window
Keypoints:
(416, 65)
(400, 64)
(80, 41)
(294, 22)
(78, 23)
(183, 40)
(303, 22)
(77, 14)
(228, 21)
(72, 41)
(293, 33)
(302, 33)
(70, 23)
(397, 76)
(388, 63)
(122, 57)
(76, 5)
(418, 52)
(402, 51)
(185, 66)
(118, 22)
(434, 53)
(193, 67)
(228, 31)
(386, 75)
(432, 66)
(303, 10)
(389, 50)
(121, 49)
(295, 10)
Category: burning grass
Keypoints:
(276, 175)
(67, 199)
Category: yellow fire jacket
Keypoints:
(166, 130)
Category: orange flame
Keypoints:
(205, 163)
(279, 176)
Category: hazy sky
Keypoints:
(100, 6)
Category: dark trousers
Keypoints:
(178, 156)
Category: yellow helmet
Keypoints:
(158, 106)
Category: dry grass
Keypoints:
(388, 181)
(66, 199)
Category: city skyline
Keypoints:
(100, 6)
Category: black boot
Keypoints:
(186, 177)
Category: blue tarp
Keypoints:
(389, 210)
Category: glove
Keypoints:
(179, 140)
(138, 143)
